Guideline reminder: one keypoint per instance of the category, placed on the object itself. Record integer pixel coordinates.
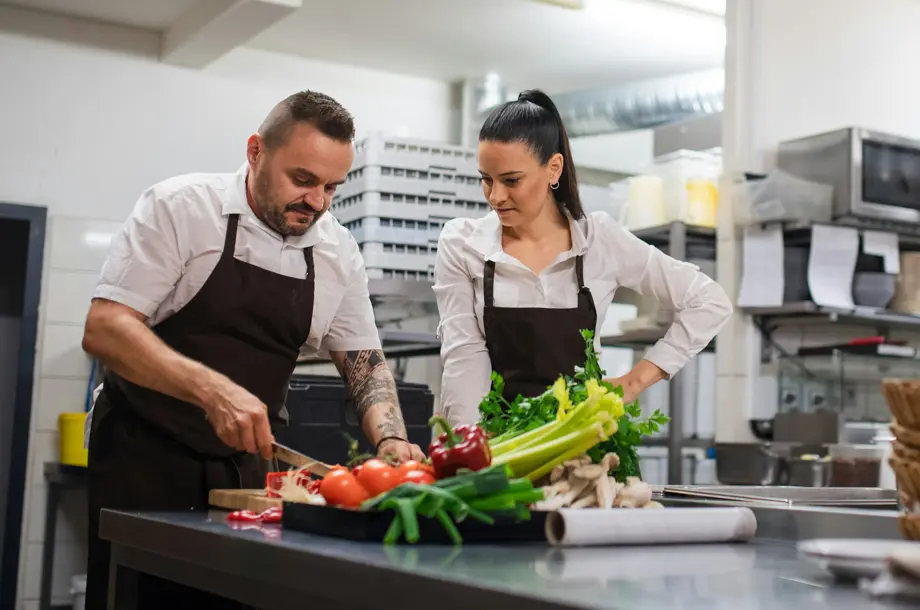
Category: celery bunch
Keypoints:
(526, 421)
(575, 430)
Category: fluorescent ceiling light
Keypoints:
(710, 7)
(574, 4)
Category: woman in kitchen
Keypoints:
(515, 287)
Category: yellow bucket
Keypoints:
(70, 430)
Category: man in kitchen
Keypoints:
(211, 290)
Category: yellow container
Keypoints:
(70, 431)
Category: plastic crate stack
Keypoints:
(398, 196)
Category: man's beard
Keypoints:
(273, 215)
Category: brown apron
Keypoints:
(531, 346)
(152, 452)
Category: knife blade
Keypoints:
(295, 458)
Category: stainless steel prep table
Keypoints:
(281, 569)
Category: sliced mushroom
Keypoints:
(636, 494)
(576, 462)
(589, 471)
(609, 462)
(654, 504)
(557, 473)
(560, 487)
(587, 501)
(606, 493)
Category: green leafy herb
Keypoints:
(504, 420)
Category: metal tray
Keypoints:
(854, 497)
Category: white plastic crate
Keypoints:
(420, 155)
(407, 207)
(409, 257)
(395, 230)
(377, 273)
(419, 183)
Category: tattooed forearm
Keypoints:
(392, 424)
(368, 379)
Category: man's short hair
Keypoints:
(317, 109)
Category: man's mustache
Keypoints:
(299, 207)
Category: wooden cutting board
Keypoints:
(242, 499)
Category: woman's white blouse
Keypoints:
(613, 257)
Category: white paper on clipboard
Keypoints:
(831, 264)
(762, 277)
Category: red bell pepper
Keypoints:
(269, 515)
(463, 447)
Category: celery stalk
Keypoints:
(576, 418)
(526, 460)
(533, 435)
(576, 450)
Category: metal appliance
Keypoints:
(875, 176)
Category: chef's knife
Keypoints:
(295, 458)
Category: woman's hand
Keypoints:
(643, 376)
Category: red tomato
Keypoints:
(377, 477)
(339, 487)
(413, 465)
(357, 469)
(420, 477)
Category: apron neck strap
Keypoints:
(580, 271)
(308, 258)
(488, 279)
(230, 238)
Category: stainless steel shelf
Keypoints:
(399, 344)
(395, 300)
(640, 339)
(662, 234)
(687, 443)
(808, 312)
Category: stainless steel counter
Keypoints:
(281, 569)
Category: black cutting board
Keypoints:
(371, 526)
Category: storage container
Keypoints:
(690, 185)
(420, 183)
(434, 208)
(420, 155)
(70, 437)
(405, 231)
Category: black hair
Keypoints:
(534, 120)
(317, 109)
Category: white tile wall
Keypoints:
(75, 250)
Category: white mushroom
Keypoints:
(636, 494)
(654, 504)
(557, 473)
(606, 493)
(579, 461)
(589, 472)
(609, 462)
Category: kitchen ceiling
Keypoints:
(531, 44)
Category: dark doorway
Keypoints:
(22, 244)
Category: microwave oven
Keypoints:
(875, 176)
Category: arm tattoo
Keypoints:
(392, 425)
(370, 383)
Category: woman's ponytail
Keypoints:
(534, 119)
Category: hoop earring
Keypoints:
(554, 185)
